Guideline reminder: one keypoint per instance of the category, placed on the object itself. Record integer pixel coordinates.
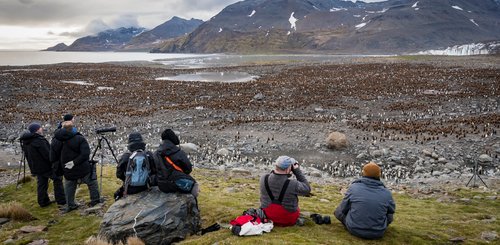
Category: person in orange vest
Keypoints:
(173, 166)
(279, 194)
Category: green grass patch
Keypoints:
(222, 198)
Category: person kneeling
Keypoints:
(279, 194)
(136, 168)
(367, 208)
(173, 166)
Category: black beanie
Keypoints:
(68, 117)
(135, 138)
(168, 134)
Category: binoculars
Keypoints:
(318, 219)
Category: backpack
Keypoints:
(138, 170)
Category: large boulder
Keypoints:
(154, 216)
(337, 140)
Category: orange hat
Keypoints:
(371, 169)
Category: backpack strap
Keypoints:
(173, 164)
(282, 193)
(269, 192)
(283, 190)
(128, 176)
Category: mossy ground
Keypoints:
(222, 198)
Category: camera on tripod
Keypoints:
(105, 130)
(101, 134)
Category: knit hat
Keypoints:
(283, 162)
(168, 134)
(68, 117)
(371, 169)
(34, 127)
(135, 137)
(135, 142)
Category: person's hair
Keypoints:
(68, 125)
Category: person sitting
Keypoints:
(279, 194)
(136, 168)
(367, 208)
(173, 166)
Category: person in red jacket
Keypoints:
(279, 194)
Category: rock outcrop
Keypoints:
(337, 140)
(154, 216)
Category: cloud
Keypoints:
(126, 20)
(26, 1)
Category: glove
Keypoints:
(214, 227)
(69, 165)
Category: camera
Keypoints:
(320, 220)
(105, 130)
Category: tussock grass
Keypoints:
(418, 219)
(93, 240)
(25, 179)
(15, 211)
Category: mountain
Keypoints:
(172, 28)
(57, 47)
(109, 40)
(335, 26)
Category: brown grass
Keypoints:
(25, 179)
(15, 211)
(102, 241)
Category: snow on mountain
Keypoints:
(292, 21)
(466, 49)
(472, 20)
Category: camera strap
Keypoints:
(173, 164)
(270, 193)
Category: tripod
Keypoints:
(22, 164)
(99, 146)
(475, 175)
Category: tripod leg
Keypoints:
(97, 147)
(111, 149)
(468, 182)
(482, 181)
(19, 173)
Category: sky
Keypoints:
(38, 24)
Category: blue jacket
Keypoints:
(367, 208)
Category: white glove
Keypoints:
(69, 165)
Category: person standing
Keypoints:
(368, 207)
(279, 194)
(36, 150)
(70, 154)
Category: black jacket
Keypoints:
(166, 174)
(121, 169)
(67, 146)
(36, 150)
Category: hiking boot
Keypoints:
(47, 204)
(93, 203)
(70, 208)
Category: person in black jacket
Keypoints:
(69, 153)
(135, 143)
(36, 150)
(173, 166)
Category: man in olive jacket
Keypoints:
(70, 155)
(368, 207)
(36, 150)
